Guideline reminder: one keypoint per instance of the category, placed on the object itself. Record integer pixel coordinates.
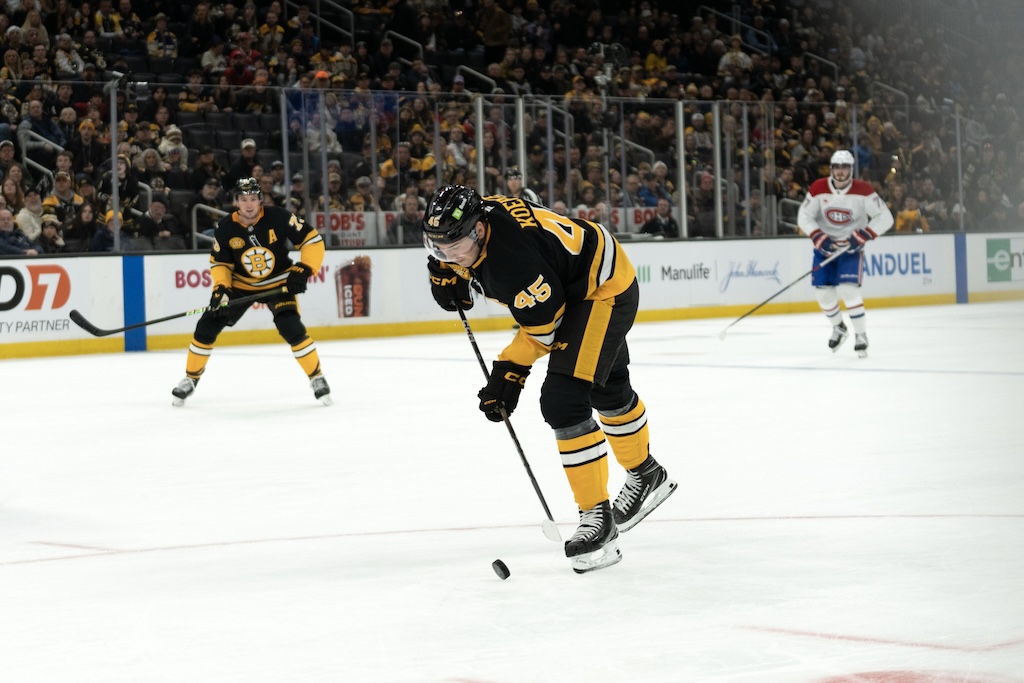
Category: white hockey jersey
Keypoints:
(838, 213)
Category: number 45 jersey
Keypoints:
(538, 262)
(255, 258)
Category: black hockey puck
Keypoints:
(500, 569)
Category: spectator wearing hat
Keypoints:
(86, 188)
(172, 149)
(363, 198)
(127, 185)
(210, 197)
(89, 154)
(63, 201)
(103, 238)
(195, 96)
(279, 187)
(249, 44)
(163, 227)
(258, 98)
(334, 198)
(297, 197)
(50, 238)
(6, 158)
(161, 43)
(381, 60)
(515, 187)
(243, 167)
(240, 72)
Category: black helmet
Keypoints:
(247, 186)
(452, 213)
(513, 172)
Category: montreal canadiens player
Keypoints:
(841, 212)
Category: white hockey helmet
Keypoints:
(841, 157)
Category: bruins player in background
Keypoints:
(250, 255)
(573, 291)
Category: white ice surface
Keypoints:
(835, 516)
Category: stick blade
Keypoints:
(551, 530)
(80, 320)
(721, 335)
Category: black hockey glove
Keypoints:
(502, 390)
(450, 291)
(297, 277)
(220, 297)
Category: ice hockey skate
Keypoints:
(646, 487)
(839, 335)
(860, 344)
(184, 389)
(595, 543)
(321, 391)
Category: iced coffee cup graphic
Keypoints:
(352, 281)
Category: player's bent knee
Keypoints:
(565, 401)
(290, 326)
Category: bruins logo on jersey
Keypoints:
(236, 243)
(258, 261)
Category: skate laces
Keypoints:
(186, 385)
(630, 490)
(590, 524)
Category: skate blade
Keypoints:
(656, 498)
(606, 556)
(863, 353)
(177, 402)
(841, 341)
(326, 400)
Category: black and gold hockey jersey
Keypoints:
(537, 262)
(255, 258)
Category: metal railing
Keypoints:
(197, 236)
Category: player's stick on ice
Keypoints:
(835, 255)
(80, 320)
(548, 525)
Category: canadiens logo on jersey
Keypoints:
(258, 261)
(839, 216)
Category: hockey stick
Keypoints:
(548, 525)
(80, 320)
(837, 254)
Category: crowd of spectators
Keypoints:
(201, 105)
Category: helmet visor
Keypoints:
(450, 252)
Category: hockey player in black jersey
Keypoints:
(573, 291)
(250, 255)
